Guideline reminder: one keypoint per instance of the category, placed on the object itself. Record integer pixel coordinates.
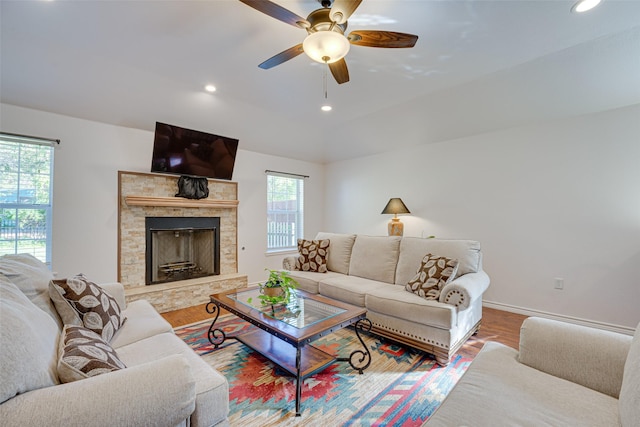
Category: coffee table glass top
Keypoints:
(300, 312)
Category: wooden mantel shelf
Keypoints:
(179, 202)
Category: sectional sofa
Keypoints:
(563, 375)
(372, 272)
(163, 382)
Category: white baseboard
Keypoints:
(569, 319)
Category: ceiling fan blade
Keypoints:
(276, 11)
(283, 56)
(381, 39)
(341, 10)
(340, 71)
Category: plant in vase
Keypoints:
(278, 288)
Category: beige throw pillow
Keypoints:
(83, 353)
(28, 344)
(434, 273)
(81, 302)
(32, 277)
(312, 255)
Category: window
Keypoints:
(26, 182)
(285, 211)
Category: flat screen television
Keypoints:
(183, 151)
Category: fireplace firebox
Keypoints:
(180, 248)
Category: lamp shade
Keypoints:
(326, 46)
(395, 206)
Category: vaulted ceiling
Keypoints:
(477, 66)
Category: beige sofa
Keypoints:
(563, 376)
(164, 383)
(372, 271)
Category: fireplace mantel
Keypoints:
(179, 202)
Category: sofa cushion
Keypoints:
(81, 302)
(349, 289)
(434, 272)
(212, 388)
(340, 249)
(28, 344)
(630, 391)
(573, 357)
(413, 249)
(308, 281)
(498, 390)
(32, 277)
(395, 301)
(82, 354)
(375, 258)
(312, 255)
(143, 321)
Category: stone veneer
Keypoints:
(131, 240)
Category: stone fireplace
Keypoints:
(212, 231)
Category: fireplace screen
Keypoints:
(180, 248)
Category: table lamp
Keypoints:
(395, 207)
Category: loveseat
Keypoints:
(563, 375)
(162, 381)
(373, 271)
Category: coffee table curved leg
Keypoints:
(358, 359)
(216, 336)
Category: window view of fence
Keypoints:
(285, 212)
(281, 230)
(25, 198)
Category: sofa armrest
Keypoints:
(465, 289)
(587, 356)
(289, 263)
(160, 393)
(116, 290)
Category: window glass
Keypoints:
(26, 179)
(285, 212)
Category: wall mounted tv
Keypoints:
(183, 151)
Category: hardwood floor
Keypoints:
(497, 325)
(187, 316)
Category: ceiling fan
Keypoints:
(326, 41)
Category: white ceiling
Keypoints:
(477, 66)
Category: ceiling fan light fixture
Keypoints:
(584, 5)
(326, 44)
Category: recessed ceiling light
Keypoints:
(210, 88)
(326, 108)
(584, 5)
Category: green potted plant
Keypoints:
(278, 287)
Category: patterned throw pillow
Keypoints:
(83, 303)
(312, 255)
(434, 273)
(83, 354)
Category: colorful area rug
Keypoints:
(402, 387)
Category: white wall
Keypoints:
(85, 214)
(557, 200)
(252, 219)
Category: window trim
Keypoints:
(299, 212)
(48, 208)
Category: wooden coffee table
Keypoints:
(285, 332)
